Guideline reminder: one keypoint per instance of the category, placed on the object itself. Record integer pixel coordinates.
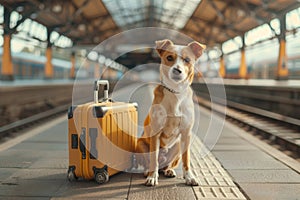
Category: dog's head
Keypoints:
(177, 62)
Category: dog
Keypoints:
(168, 125)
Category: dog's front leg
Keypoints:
(187, 173)
(152, 178)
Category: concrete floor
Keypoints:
(34, 166)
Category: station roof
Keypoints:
(216, 21)
(88, 22)
(83, 21)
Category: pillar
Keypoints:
(72, 70)
(48, 65)
(243, 64)
(222, 69)
(282, 68)
(7, 70)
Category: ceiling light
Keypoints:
(81, 27)
(57, 8)
(108, 62)
(93, 55)
(241, 13)
(33, 16)
(20, 9)
(101, 59)
(41, 6)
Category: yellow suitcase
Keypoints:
(102, 137)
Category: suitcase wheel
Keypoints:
(71, 175)
(101, 177)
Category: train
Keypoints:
(30, 66)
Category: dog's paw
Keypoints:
(170, 173)
(152, 180)
(190, 179)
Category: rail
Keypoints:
(276, 128)
(273, 97)
(23, 106)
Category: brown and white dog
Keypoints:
(168, 126)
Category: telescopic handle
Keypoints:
(96, 90)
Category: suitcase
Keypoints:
(101, 136)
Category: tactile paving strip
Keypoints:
(215, 182)
(219, 193)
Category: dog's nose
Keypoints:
(176, 71)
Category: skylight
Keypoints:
(158, 13)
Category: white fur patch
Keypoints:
(190, 179)
(152, 180)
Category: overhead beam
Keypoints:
(87, 39)
(220, 14)
(252, 11)
(210, 37)
(87, 21)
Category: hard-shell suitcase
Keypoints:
(102, 137)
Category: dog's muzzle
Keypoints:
(176, 71)
(176, 74)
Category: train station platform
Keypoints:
(34, 166)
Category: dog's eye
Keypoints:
(170, 58)
(187, 60)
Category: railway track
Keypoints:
(280, 131)
(34, 116)
(9, 130)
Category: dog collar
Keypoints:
(169, 89)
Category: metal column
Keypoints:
(222, 69)
(243, 65)
(48, 65)
(7, 70)
(72, 70)
(282, 68)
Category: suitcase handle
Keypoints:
(96, 90)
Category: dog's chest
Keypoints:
(175, 125)
(171, 131)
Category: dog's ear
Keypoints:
(162, 45)
(197, 48)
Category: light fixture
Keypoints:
(33, 16)
(20, 9)
(93, 55)
(108, 62)
(81, 27)
(57, 8)
(41, 6)
(240, 13)
(101, 59)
